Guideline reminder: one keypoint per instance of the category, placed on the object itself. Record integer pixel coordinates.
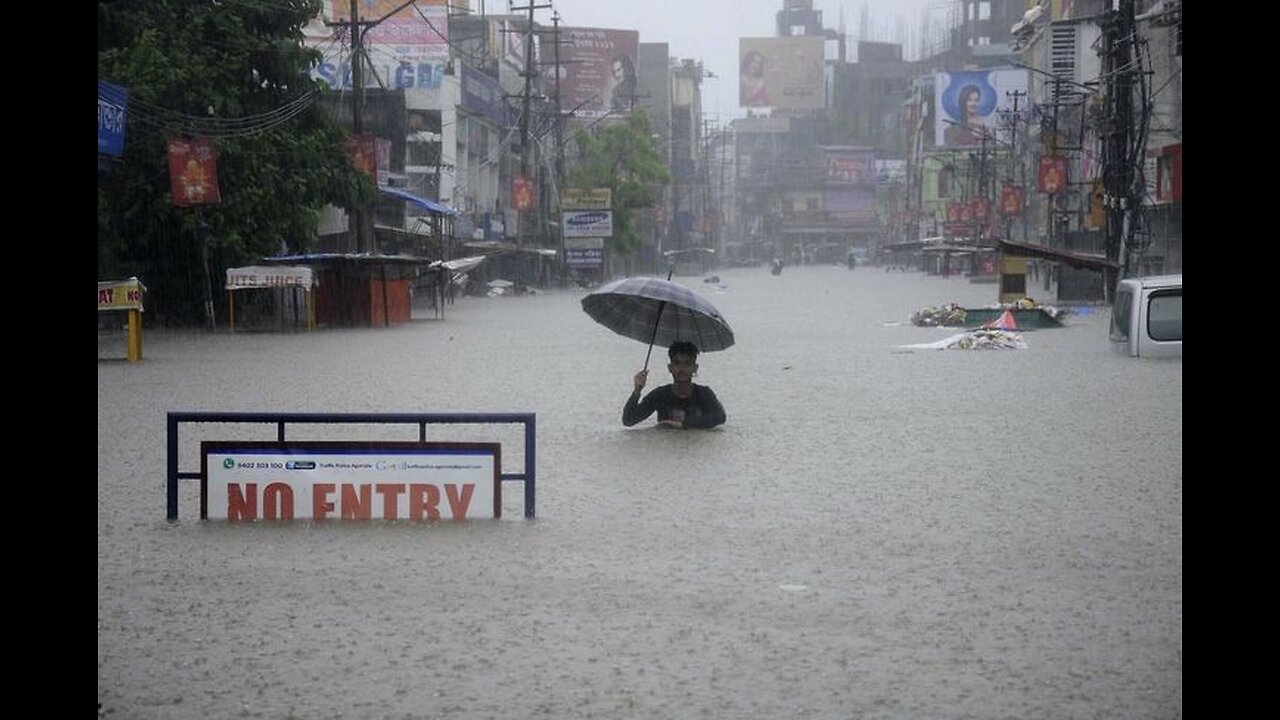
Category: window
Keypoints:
(1164, 316)
(946, 182)
(1120, 316)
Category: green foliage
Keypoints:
(623, 158)
(237, 72)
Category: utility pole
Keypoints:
(359, 238)
(559, 126)
(1013, 163)
(526, 151)
(361, 217)
(1121, 198)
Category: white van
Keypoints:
(1146, 320)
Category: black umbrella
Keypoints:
(657, 311)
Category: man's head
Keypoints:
(684, 360)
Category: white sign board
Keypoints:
(349, 481)
(269, 276)
(588, 223)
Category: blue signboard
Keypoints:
(113, 101)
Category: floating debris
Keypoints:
(980, 339)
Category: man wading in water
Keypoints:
(681, 404)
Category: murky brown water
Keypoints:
(876, 533)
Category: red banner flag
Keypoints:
(978, 208)
(1011, 198)
(363, 151)
(522, 193)
(1053, 174)
(193, 172)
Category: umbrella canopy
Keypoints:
(660, 312)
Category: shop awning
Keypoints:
(1074, 259)
(421, 202)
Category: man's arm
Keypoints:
(636, 409)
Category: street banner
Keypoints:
(363, 151)
(193, 172)
(1052, 177)
(522, 193)
(1011, 197)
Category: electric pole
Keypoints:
(526, 152)
(1118, 154)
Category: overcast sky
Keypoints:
(709, 29)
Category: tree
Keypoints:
(237, 72)
(623, 158)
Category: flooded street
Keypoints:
(874, 533)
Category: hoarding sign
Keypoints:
(599, 71)
(968, 104)
(781, 72)
(588, 223)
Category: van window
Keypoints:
(1121, 311)
(1164, 316)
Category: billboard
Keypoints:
(780, 72)
(407, 48)
(598, 71)
(969, 103)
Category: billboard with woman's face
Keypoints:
(969, 104)
(598, 71)
(780, 72)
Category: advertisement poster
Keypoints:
(969, 104)
(780, 73)
(407, 48)
(248, 481)
(598, 71)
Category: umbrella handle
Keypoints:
(655, 334)
(656, 323)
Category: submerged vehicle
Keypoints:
(1146, 319)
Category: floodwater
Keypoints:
(875, 533)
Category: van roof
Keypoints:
(1156, 281)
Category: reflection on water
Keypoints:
(874, 532)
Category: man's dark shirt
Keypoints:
(702, 409)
